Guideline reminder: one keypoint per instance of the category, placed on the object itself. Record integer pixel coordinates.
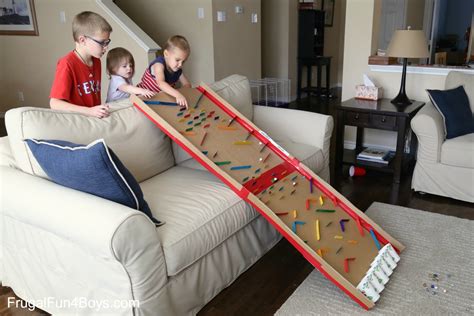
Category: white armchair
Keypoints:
(444, 166)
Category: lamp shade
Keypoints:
(408, 44)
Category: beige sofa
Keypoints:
(444, 166)
(61, 244)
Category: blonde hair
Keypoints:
(88, 23)
(177, 41)
(115, 56)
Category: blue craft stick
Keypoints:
(310, 186)
(240, 167)
(293, 227)
(377, 244)
(160, 103)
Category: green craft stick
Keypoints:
(325, 211)
(220, 163)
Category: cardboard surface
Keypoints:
(275, 183)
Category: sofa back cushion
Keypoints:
(457, 78)
(235, 89)
(141, 146)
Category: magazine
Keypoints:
(372, 153)
(385, 159)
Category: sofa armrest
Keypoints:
(297, 126)
(100, 227)
(428, 127)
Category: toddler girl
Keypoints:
(121, 67)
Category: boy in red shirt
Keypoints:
(77, 83)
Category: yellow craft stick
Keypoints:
(318, 236)
(338, 237)
(242, 142)
(294, 214)
(352, 241)
(321, 201)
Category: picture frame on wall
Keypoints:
(18, 17)
(328, 8)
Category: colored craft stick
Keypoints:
(180, 114)
(307, 204)
(241, 167)
(320, 253)
(204, 152)
(181, 120)
(297, 223)
(321, 200)
(190, 122)
(188, 133)
(203, 138)
(242, 142)
(245, 179)
(338, 237)
(187, 115)
(202, 113)
(196, 117)
(257, 171)
(359, 225)
(281, 189)
(282, 214)
(216, 117)
(295, 213)
(206, 126)
(189, 129)
(318, 236)
(294, 178)
(182, 109)
(329, 223)
(325, 211)
(352, 241)
(198, 100)
(292, 192)
(377, 244)
(150, 102)
(230, 121)
(220, 163)
(338, 250)
(310, 186)
(346, 264)
(227, 128)
(341, 222)
(197, 124)
(215, 154)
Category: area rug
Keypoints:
(434, 277)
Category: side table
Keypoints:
(381, 115)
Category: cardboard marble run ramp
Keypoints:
(332, 234)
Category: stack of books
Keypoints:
(376, 155)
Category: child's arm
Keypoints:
(159, 71)
(184, 81)
(99, 111)
(128, 88)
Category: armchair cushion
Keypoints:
(454, 107)
(94, 169)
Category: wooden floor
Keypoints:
(268, 283)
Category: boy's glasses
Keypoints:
(104, 43)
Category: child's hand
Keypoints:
(100, 111)
(147, 93)
(181, 100)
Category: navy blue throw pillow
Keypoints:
(94, 169)
(454, 108)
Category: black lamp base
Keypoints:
(401, 100)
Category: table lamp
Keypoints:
(407, 44)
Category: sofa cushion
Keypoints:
(234, 89)
(93, 169)
(141, 146)
(200, 213)
(453, 105)
(459, 151)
